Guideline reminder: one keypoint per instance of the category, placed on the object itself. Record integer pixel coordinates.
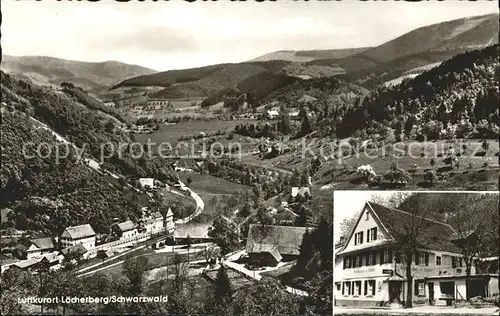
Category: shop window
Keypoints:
(420, 287)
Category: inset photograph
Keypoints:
(416, 252)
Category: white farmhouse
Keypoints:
(126, 230)
(158, 223)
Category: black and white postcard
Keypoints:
(184, 157)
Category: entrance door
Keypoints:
(431, 292)
(395, 288)
(477, 288)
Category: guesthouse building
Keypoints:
(82, 234)
(370, 269)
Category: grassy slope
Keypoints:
(308, 55)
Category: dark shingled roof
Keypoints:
(437, 235)
(43, 243)
(79, 249)
(157, 215)
(264, 238)
(272, 250)
(40, 243)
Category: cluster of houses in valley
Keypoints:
(81, 242)
(370, 269)
(160, 104)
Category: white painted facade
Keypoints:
(360, 279)
(88, 242)
(129, 234)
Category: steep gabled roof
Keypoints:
(266, 248)
(43, 243)
(78, 232)
(157, 215)
(353, 229)
(169, 212)
(394, 221)
(300, 191)
(126, 226)
(286, 239)
(52, 257)
(39, 243)
(79, 249)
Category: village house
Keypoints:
(302, 192)
(272, 114)
(157, 104)
(158, 222)
(125, 230)
(284, 215)
(267, 245)
(149, 183)
(370, 269)
(75, 253)
(138, 108)
(169, 221)
(152, 224)
(54, 260)
(110, 104)
(82, 234)
(34, 248)
(26, 265)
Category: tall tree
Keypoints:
(412, 232)
(134, 269)
(306, 126)
(225, 234)
(476, 223)
(306, 251)
(222, 293)
(265, 297)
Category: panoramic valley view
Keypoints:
(181, 158)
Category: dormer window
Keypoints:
(358, 238)
(371, 234)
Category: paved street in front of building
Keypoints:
(416, 311)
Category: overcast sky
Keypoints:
(173, 35)
(347, 203)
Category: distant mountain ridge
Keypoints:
(367, 66)
(88, 75)
(309, 55)
(418, 48)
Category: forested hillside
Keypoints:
(459, 98)
(45, 194)
(203, 81)
(256, 88)
(87, 128)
